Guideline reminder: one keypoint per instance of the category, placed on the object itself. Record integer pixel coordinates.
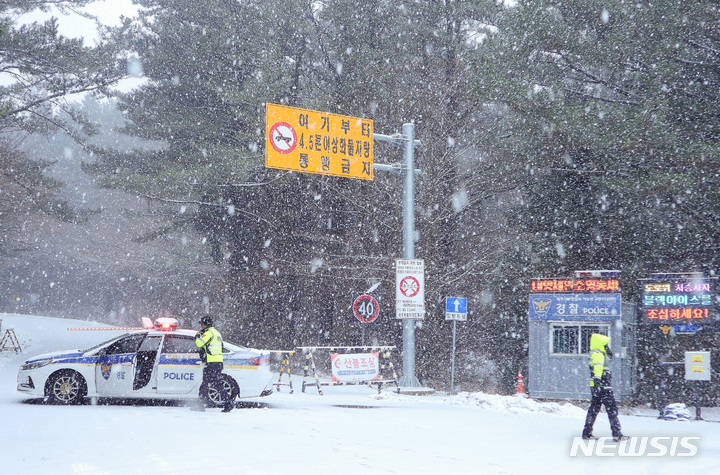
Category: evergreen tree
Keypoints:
(608, 109)
(40, 69)
(615, 165)
(557, 136)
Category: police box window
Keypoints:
(573, 339)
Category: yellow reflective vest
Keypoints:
(597, 356)
(211, 340)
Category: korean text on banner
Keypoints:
(354, 367)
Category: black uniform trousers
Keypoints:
(212, 376)
(602, 396)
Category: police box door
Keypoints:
(115, 368)
(179, 369)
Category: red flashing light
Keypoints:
(166, 324)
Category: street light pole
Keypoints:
(408, 378)
(407, 140)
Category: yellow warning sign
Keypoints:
(318, 142)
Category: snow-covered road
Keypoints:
(350, 430)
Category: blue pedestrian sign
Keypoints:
(456, 309)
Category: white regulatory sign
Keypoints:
(410, 289)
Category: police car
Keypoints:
(160, 362)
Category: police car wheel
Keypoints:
(66, 387)
(231, 389)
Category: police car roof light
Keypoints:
(166, 324)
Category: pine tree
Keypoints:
(40, 69)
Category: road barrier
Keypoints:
(9, 341)
(285, 356)
(354, 368)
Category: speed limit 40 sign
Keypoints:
(366, 308)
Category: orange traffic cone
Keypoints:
(520, 386)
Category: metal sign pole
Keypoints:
(698, 415)
(408, 130)
(661, 374)
(407, 140)
(452, 366)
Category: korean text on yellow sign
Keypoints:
(318, 142)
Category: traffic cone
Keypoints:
(520, 386)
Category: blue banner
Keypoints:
(575, 307)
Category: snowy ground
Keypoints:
(350, 430)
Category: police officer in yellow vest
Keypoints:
(601, 388)
(209, 341)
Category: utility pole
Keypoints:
(407, 171)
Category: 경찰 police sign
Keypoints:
(575, 307)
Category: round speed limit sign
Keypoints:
(366, 308)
